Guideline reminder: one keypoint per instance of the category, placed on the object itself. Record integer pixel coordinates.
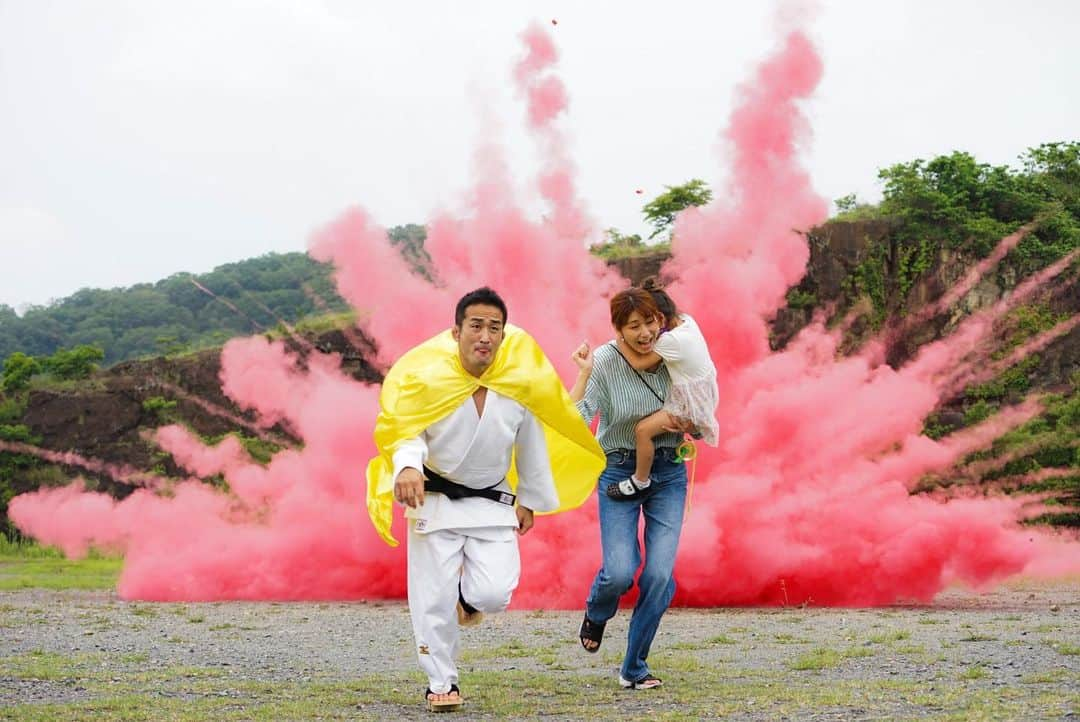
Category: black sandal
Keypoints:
(445, 705)
(646, 682)
(591, 632)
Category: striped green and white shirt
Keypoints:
(621, 398)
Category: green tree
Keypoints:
(409, 240)
(18, 369)
(845, 204)
(955, 199)
(660, 211)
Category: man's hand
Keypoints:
(409, 487)
(525, 519)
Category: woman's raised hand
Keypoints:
(583, 357)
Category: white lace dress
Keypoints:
(693, 395)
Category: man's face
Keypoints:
(479, 337)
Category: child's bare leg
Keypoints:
(637, 485)
(646, 430)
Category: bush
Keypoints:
(1068, 415)
(11, 409)
(17, 432)
(1012, 380)
(78, 363)
(18, 370)
(980, 411)
(158, 406)
(800, 299)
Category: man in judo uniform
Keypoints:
(476, 433)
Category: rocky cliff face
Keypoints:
(111, 418)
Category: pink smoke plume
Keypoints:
(122, 473)
(215, 410)
(807, 498)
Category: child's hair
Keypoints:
(664, 303)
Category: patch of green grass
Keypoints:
(1050, 676)
(975, 637)
(975, 671)
(692, 691)
(1065, 648)
(41, 665)
(721, 639)
(860, 651)
(910, 649)
(26, 550)
(895, 636)
(688, 646)
(682, 664)
(820, 658)
(611, 657)
(790, 639)
(142, 610)
(48, 572)
(511, 650)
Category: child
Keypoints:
(692, 398)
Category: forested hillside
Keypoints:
(186, 311)
(172, 314)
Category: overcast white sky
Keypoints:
(139, 138)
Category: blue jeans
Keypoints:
(619, 520)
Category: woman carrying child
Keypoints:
(692, 399)
(609, 385)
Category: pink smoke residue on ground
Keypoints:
(807, 498)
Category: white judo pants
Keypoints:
(486, 566)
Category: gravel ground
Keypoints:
(1025, 636)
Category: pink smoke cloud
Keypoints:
(807, 498)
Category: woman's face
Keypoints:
(639, 332)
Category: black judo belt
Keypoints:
(452, 490)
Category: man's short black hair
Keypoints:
(482, 295)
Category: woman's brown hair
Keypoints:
(626, 302)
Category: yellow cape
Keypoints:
(429, 382)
